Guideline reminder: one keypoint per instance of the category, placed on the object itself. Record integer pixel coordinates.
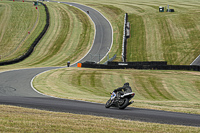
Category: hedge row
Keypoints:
(30, 50)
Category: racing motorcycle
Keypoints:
(122, 102)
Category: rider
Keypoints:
(126, 89)
(68, 63)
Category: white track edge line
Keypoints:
(76, 62)
(54, 96)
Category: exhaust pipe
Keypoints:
(131, 102)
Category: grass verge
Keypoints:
(18, 119)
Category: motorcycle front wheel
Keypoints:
(109, 103)
(123, 103)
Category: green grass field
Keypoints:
(164, 90)
(172, 37)
(16, 20)
(18, 119)
(68, 38)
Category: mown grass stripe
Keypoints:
(157, 85)
(4, 16)
(145, 91)
(172, 85)
(62, 33)
(189, 90)
(136, 47)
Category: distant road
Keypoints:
(16, 89)
(104, 34)
(196, 61)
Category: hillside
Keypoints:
(20, 24)
(155, 36)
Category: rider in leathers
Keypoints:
(126, 89)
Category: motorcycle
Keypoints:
(122, 102)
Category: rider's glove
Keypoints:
(115, 90)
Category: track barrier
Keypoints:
(151, 65)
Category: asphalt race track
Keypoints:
(80, 107)
(15, 88)
(104, 34)
(196, 61)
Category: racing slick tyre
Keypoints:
(109, 103)
(123, 103)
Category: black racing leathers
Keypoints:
(125, 88)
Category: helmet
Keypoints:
(126, 84)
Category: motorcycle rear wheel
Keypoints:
(109, 103)
(124, 103)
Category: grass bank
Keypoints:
(164, 90)
(155, 36)
(172, 37)
(16, 20)
(68, 38)
(18, 119)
